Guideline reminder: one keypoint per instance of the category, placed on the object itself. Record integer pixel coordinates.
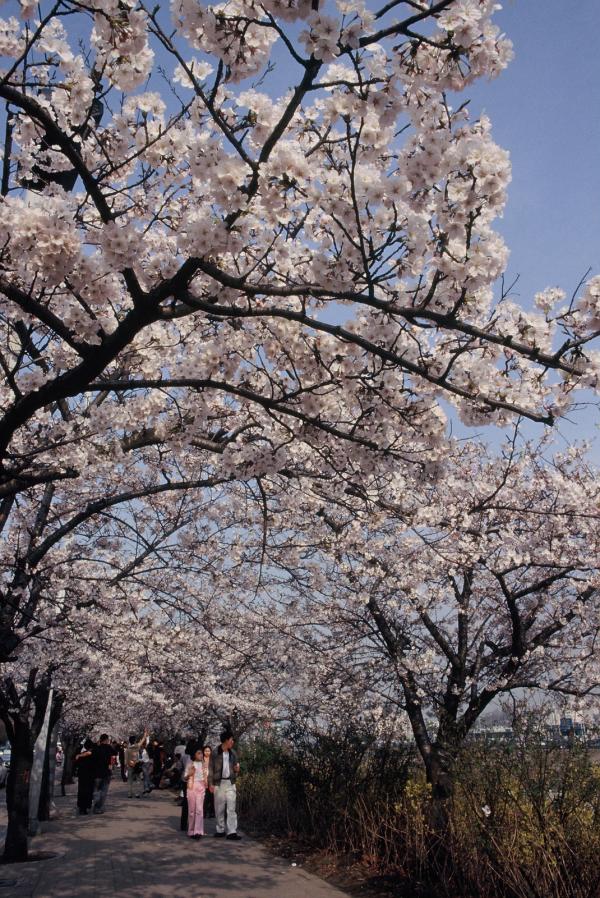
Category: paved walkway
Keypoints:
(136, 850)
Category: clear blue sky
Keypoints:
(545, 109)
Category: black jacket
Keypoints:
(102, 756)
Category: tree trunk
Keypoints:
(23, 712)
(69, 744)
(440, 774)
(47, 790)
(440, 768)
(17, 791)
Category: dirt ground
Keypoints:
(358, 880)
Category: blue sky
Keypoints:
(545, 109)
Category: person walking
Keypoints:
(122, 764)
(132, 760)
(85, 776)
(181, 749)
(102, 756)
(223, 772)
(146, 768)
(197, 780)
(173, 774)
(209, 798)
(157, 755)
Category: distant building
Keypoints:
(569, 725)
(492, 733)
(567, 728)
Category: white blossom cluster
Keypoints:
(235, 301)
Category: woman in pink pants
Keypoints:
(196, 787)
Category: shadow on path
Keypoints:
(136, 850)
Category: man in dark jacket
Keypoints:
(222, 774)
(102, 756)
(84, 764)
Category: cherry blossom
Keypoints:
(226, 290)
(440, 596)
(160, 248)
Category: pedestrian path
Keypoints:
(136, 850)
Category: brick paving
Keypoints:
(136, 850)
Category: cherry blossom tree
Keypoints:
(125, 604)
(440, 598)
(171, 256)
(22, 712)
(209, 273)
(59, 560)
(177, 223)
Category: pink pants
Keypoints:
(195, 800)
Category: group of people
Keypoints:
(142, 764)
(206, 779)
(94, 762)
(208, 773)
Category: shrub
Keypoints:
(524, 821)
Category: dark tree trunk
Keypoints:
(440, 766)
(440, 773)
(69, 744)
(17, 791)
(23, 728)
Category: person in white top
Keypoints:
(197, 778)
